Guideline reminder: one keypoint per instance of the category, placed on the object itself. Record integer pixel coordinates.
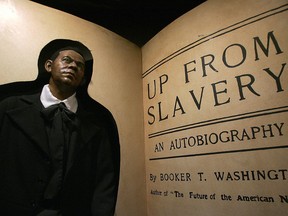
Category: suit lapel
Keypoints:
(87, 130)
(28, 118)
(88, 125)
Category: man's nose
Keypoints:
(73, 64)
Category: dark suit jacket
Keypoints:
(90, 186)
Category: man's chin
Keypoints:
(69, 83)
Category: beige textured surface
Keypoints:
(215, 105)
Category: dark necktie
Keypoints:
(60, 123)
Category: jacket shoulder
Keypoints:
(15, 102)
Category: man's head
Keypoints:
(67, 69)
(67, 62)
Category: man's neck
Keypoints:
(61, 93)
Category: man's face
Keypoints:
(67, 70)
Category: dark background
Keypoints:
(136, 20)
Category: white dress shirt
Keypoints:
(47, 99)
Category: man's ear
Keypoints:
(48, 65)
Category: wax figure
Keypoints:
(59, 149)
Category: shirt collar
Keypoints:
(47, 99)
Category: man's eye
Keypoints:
(81, 66)
(66, 59)
(69, 60)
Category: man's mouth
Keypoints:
(69, 73)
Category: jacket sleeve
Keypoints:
(6, 104)
(107, 179)
(3, 108)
